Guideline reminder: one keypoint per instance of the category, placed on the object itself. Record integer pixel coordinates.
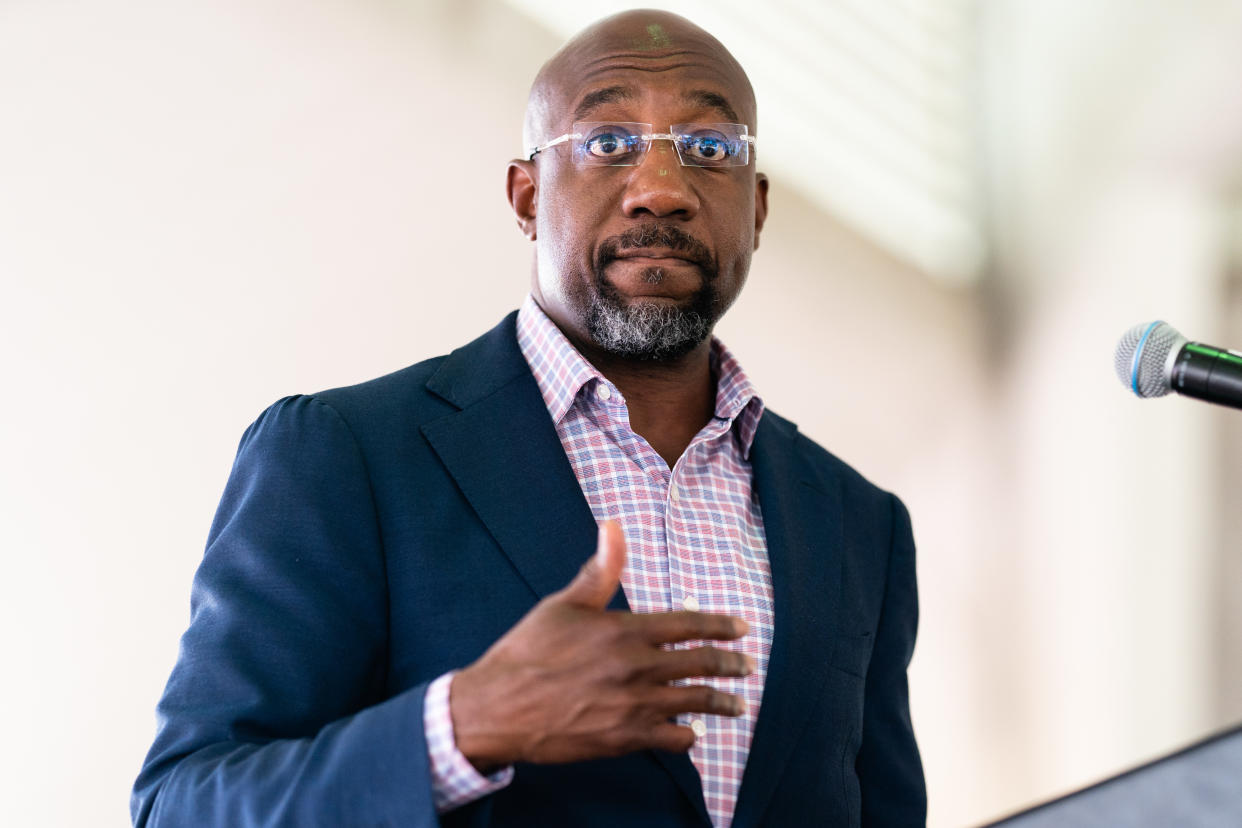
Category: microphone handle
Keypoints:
(1209, 374)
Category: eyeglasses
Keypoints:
(601, 144)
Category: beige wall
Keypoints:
(205, 206)
(1115, 140)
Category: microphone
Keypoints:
(1153, 359)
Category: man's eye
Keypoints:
(707, 147)
(609, 144)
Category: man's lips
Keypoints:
(655, 255)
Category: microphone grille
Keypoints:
(1142, 355)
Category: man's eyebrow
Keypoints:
(712, 100)
(599, 97)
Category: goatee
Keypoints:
(643, 330)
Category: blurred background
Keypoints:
(207, 205)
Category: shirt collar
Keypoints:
(561, 372)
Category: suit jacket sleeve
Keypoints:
(276, 710)
(890, 771)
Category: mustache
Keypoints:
(656, 235)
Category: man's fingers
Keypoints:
(600, 576)
(697, 698)
(672, 627)
(701, 661)
(671, 737)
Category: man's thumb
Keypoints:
(599, 577)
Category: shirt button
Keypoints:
(674, 492)
(699, 728)
(691, 603)
(602, 391)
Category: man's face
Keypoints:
(641, 261)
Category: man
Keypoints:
(393, 623)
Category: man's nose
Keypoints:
(659, 186)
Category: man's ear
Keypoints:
(761, 204)
(522, 188)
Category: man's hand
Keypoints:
(573, 681)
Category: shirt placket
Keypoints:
(645, 579)
(693, 567)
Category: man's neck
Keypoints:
(669, 402)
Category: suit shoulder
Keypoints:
(826, 469)
(387, 405)
(426, 390)
(384, 411)
(400, 396)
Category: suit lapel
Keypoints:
(505, 456)
(803, 530)
(502, 450)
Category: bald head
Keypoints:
(642, 39)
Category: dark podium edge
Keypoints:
(1202, 743)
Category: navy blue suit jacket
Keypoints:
(372, 538)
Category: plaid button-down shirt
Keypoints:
(694, 535)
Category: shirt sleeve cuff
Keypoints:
(454, 781)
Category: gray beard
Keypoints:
(645, 331)
(648, 331)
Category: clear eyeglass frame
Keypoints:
(626, 143)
